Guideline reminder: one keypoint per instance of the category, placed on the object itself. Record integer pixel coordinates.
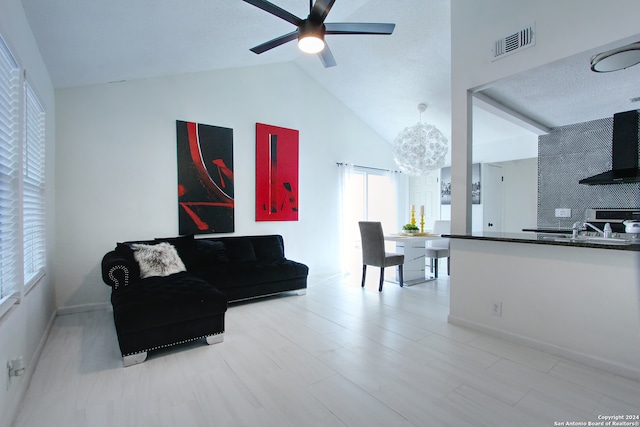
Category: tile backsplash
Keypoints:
(566, 155)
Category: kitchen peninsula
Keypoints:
(580, 300)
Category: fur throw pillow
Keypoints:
(157, 260)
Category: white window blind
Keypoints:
(10, 241)
(33, 196)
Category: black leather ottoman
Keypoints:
(159, 312)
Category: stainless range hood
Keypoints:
(624, 152)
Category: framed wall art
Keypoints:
(445, 185)
(205, 178)
(276, 173)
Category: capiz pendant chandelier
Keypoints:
(421, 148)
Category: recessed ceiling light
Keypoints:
(616, 59)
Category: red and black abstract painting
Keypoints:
(276, 173)
(205, 178)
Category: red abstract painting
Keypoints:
(276, 173)
(205, 178)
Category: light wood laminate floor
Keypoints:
(338, 356)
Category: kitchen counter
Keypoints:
(550, 230)
(551, 239)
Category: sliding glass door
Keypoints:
(368, 195)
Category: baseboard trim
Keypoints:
(595, 362)
(83, 308)
(41, 343)
(313, 280)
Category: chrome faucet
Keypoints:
(581, 226)
(577, 227)
(588, 224)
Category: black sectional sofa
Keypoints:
(182, 294)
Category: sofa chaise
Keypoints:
(169, 291)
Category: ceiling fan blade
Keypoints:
(320, 10)
(359, 28)
(275, 10)
(275, 42)
(327, 57)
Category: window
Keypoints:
(9, 162)
(22, 179)
(33, 189)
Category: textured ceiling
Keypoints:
(381, 78)
(568, 92)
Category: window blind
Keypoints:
(10, 245)
(33, 196)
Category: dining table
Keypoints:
(412, 246)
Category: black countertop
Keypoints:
(545, 238)
(550, 230)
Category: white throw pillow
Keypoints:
(157, 260)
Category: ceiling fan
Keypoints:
(311, 31)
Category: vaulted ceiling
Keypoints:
(381, 78)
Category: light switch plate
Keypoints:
(563, 213)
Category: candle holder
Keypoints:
(413, 216)
(421, 223)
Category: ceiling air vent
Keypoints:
(514, 42)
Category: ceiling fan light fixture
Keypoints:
(310, 43)
(616, 59)
(311, 37)
(310, 32)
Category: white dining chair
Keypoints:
(436, 249)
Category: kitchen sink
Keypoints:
(594, 239)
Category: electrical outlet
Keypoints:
(496, 308)
(563, 213)
(16, 367)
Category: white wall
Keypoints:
(23, 330)
(505, 150)
(476, 216)
(117, 163)
(576, 302)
